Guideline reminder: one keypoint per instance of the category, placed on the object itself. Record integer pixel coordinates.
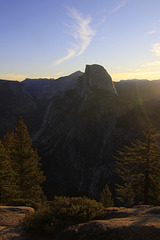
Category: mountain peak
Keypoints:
(96, 76)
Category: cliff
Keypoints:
(78, 122)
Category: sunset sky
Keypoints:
(53, 38)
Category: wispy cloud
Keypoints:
(156, 49)
(120, 5)
(151, 64)
(151, 32)
(71, 53)
(81, 31)
(59, 74)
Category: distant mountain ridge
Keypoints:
(78, 122)
(43, 87)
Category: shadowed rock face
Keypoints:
(96, 76)
(15, 101)
(75, 132)
(48, 88)
(78, 123)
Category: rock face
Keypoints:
(97, 77)
(15, 101)
(122, 224)
(75, 132)
(78, 123)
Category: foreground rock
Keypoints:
(10, 222)
(136, 223)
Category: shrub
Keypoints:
(23, 202)
(63, 212)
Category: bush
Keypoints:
(63, 212)
(23, 202)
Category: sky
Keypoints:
(54, 38)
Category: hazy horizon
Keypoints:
(51, 78)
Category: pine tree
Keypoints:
(106, 197)
(138, 166)
(26, 163)
(8, 188)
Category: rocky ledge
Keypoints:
(137, 223)
(10, 222)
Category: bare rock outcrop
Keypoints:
(96, 76)
(10, 222)
(136, 223)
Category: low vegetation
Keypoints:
(25, 202)
(63, 212)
